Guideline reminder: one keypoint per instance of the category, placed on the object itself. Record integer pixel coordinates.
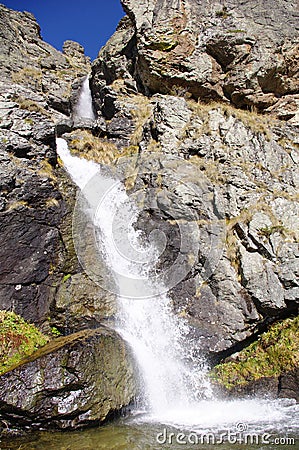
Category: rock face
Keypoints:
(82, 381)
(90, 375)
(246, 53)
(38, 84)
(285, 386)
(155, 81)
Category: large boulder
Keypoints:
(72, 382)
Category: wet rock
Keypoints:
(284, 386)
(64, 126)
(70, 383)
(267, 387)
(80, 304)
(289, 385)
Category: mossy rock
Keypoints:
(273, 354)
(72, 382)
(18, 339)
(163, 46)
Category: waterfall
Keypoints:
(156, 335)
(84, 109)
(175, 389)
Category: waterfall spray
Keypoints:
(175, 390)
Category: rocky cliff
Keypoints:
(209, 83)
(237, 52)
(202, 97)
(40, 277)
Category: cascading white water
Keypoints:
(155, 334)
(172, 386)
(157, 337)
(84, 109)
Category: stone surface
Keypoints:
(285, 386)
(289, 385)
(72, 382)
(238, 178)
(36, 86)
(80, 303)
(247, 160)
(27, 60)
(207, 50)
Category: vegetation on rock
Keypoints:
(275, 352)
(90, 147)
(18, 340)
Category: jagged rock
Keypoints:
(63, 386)
(64, 126)
(83, 123)
(113, 62)
(286, 108)
(261, 282)
(171, 114)
(209, 51)
(237, 166)
(35, 85)
(74, 49)
(33, 63)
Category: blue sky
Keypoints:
(86, 21)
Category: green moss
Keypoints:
(267, 231)
(163, 46)
(19, 339)
(55, 332)
(29, 121)
(274, 352)
(66, 277)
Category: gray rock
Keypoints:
(170, 117)
(241, 170)
(35, 82)
(209, 51)
(80, 304)
(62, 386)
(261, 282)
(284, 386)
(64, 126)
